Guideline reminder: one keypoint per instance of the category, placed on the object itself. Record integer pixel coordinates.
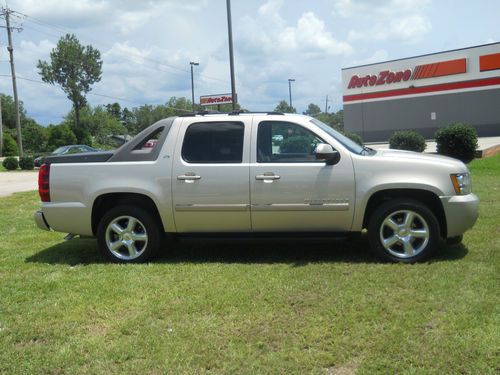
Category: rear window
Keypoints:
(214, 142)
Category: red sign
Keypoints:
(439, 69)
(384, 77)
(216, 99)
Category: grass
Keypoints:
(262, 306)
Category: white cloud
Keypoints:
(311, 36)
(369, 8)
(378, 56)
(409, 29)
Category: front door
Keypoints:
(290, 189)
(210, 176)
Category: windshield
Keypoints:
(59, 150)
(346, 142)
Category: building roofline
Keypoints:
(414, 57)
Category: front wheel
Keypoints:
(403, 230)
(128, 234)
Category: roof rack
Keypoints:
(200, 113)
(234, 113)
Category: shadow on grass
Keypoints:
(295, 251)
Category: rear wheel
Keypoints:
(403, 230)
(129, 234)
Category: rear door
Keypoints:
(290, 189)
(210, 176)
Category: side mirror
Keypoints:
(327, 153)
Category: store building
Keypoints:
(424, 93)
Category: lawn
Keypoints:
(245, 307)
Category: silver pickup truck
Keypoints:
(255, 173)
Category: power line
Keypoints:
(95, 93)
(161, 63)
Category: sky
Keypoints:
(146, 46)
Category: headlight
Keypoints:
(461, 183)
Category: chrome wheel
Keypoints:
(126, 237)
(404, 233)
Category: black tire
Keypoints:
(455, 240)
(410, 229)
(138, 242)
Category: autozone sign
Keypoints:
(387, 77)
(216, 99)
(383, 78)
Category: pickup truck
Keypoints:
(255, 173)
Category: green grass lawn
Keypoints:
(246, 307)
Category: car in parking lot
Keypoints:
(65, 150)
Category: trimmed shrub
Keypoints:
(407, 140)
(10, 163)
(457, 140)
(354, 137)
(26, 163)
(9, 145)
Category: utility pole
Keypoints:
(192, 81)
(290, 80)
(231, 57)
(326, 104)
(6, 12)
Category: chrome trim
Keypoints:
(301, 207)
(189, 177)
(211, 207)
(267, 177)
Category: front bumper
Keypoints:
(40, 221)
(461, 213)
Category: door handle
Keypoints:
(267, 176)
(189, 176)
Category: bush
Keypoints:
(10, 163)
(354, 137)
(9, 146)
(26, 163)
(458, 141)
(407, 140)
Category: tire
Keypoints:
(129, 234)
(455, 240)
(403, 230)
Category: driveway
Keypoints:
(13, 182)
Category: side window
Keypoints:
(285, 142)
(213, 142)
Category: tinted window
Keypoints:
(285, 142)
(215, 142)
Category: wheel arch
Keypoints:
(107, 201)
(428, 198)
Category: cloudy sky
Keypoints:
(146, 46)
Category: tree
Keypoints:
(73, 67)
(60, 135)
(114, 110)
(284, 107)
(312, 110)
(34, 137)
(9, 111)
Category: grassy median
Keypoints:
(262, 306)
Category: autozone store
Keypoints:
(424, 93)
